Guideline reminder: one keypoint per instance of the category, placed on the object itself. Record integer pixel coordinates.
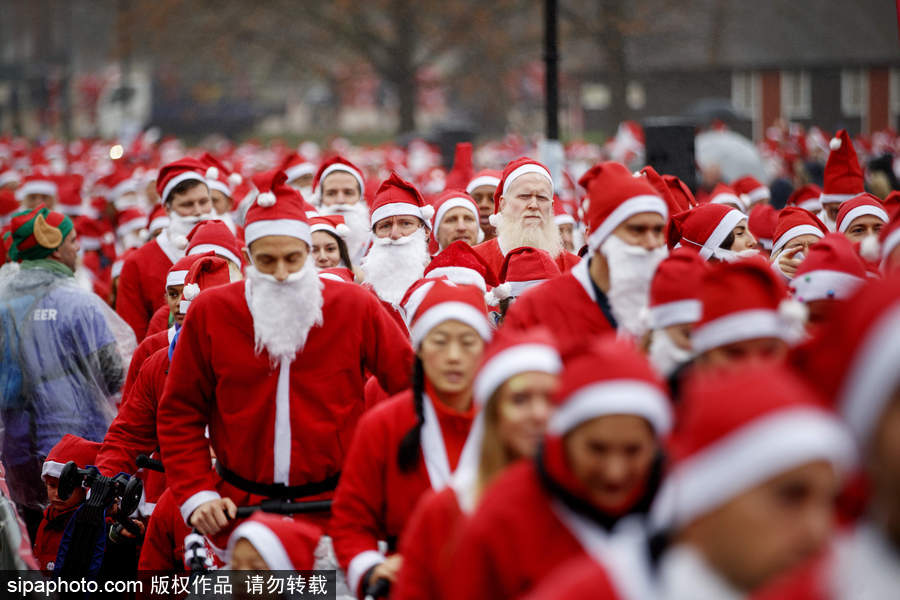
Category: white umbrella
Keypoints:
(732, 153)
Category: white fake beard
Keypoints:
(356, 216)
(284, 312)
(512, 234)
(665, 355)
(631, 269)
(392, 266)
(829, 224)
(732, 256)
(181, 226)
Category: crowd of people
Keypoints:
(469, 383)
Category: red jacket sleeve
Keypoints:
(184, 410)
(161, 551)
(388, 354)
(130, 302)
(133, 431)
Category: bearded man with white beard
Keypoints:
(399, 252)
(182, 187)
(523, 216)
(274, 366)
(339, 186)
(608, 290)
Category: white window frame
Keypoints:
(740, 81)
(894, 95)
(854, 104)
(796, 106)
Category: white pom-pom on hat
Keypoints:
(266, 199)
(427, 212)
(144, 234)
(870, 248)
(835, 143)
(494, 220)
(235, 179)
(190, 291)
(501, 292)
(181, 242)
(794, 314)
(342, 229)
(212, 173)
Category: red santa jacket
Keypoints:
(133, 431)
(159, 321)
(578, 579)
(375, 498)
(512, 540)
(565, 305)
(142, 284)
(428, 547)
(49, 535)
(148, 346)
(217, 379)
(492, 254)
(163, 547)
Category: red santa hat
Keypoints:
(832, 271)
(295, 167)
(158, 219)
(118, 183)
(892, 203)
(675, 289)
(337, 274)
(770, 424)
(218, 176)
(459, 263)
(205, 273)
(278, 210)
(806, 197)
(514, 170)
(703, 229)
(794, 222)
(524, 268)
(680, 191)
(9, 175)
(484, 177)
(69, 201)
(333, 224)
(335, 164)
(285, 544)
(37, 184)
(614, 196)
(560, 216)
(70, 447)
(762, 222)
(445, 301)
(743, 301)
(178, 271)
(116, 269)
(398, 197)
(863, 204)
(751, 187)
(445, 202)
(8, 205)
(889, 238)
(724, 194)
(129, 220)
(853, 359)
(843, 175)
(214, 236)
(675, 203)
(185, 169)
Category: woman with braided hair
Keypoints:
(412, 442)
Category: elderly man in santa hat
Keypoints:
(523, 216)
(609, 289)
(399, 252)
(274, 366)
(183, 188)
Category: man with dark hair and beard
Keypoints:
(523, 216)
(609, 289)
(274, 366)
(183, 189)
(399, 252)
(339, 187)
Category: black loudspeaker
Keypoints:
(669, 148)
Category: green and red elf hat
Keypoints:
(37, 233)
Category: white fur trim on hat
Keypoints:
(890, 242)
(47, 188)
(860, 211)
(345, 168)
(758, 451)
(449, 311)
(397, 209)
(220, 251)
(288, 227)
(794, 232)
(760, 193)
(675, 313)
(517, 288)
(615, 397)
(175, 278)
(623, 212)
(564, 219)
(824, 284)
(726, 198)
(266, 542)
(813, 205)
(461, 275)
(737, 327)
(298, 171)
(718, 235)
(836, 198)
(450, 204)
(160, 222)
(522, 358)
(51, 468)
(186, 176)
(480, 181)
(524, 170)
(215, 184)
